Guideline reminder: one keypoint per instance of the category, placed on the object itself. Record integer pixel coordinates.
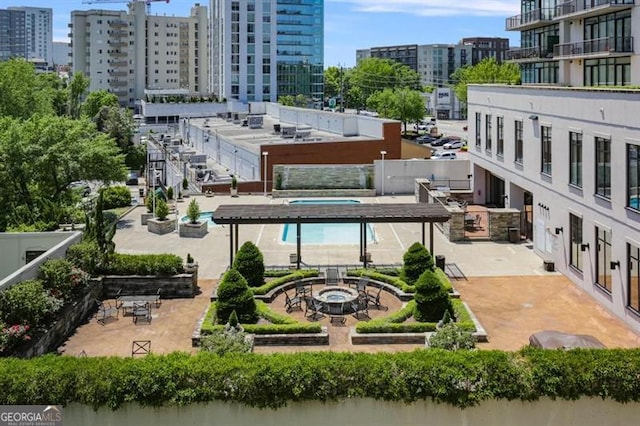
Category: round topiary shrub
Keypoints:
(432, 298)
(250, 263)
(416, 260)
(234, 295)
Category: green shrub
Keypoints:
(452, 338)
(170, 193)
(297, 328)
(234, 294)
(162, 209)
(250, 263)
(143, 264)
(223, 343)
(185, 184)
(264, 311)
(115, 196)
(432, 299)
(28, 302)
(190, 260)
(85, 255)
(193, 211)
(291, 276)
(394, 281)
(417, 259)
(149, 202)
(62, 279)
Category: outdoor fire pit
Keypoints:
(333, 297)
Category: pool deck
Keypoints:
(506, 287)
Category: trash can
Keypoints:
(440, 261)
(514, 235)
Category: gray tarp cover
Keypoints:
(550, 339)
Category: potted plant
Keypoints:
(185, 187)
(161, 224)
(234, 186)
(170, 193)
(144, 217)
(180, 200)
(191, 265)
(195, 227)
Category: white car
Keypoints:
(440, 155)
(456, 143)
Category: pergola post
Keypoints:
(363, 235)
(230, 245)
(423, 233)
(236, 237)
(430, 237)
(298, 243)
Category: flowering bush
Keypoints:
(63, 279)
(11, 336)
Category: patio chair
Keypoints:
(141, 312)
(105, 311)
(373, 298)
(361, 286)
(332, 277)
(477, 222)
(360, 306)
(302, 290)
(314, 306)
(335, 314)
(291, 303)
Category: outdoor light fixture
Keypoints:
(469, 176)
(533, 117)
(614, 264)
(559, 230)
(584, 247)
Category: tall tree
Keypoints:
(373, 75)
(333, 79)
(486, 71)
(76, 90)
(96, 100)
(117, 123)
(21, 93)
(410, 106)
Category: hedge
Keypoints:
(116, 196)
(143, 264)
(396, 281)
(461, 379)
(297, 275)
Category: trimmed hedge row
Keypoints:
(461, 379)
(143, 264)
(397, 282)
(297, 275)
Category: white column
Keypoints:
(383, 153)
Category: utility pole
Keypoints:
(341, 89)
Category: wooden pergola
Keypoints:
(247, 214)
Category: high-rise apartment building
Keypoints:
(27, 32)
(564, 147)
(265, 49)
(128, 52)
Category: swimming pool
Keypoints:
(326, 233)
(634, 203)
(207, 216)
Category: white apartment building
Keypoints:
(566, 153)
(30, 33)
(128, 52)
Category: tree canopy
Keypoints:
(486, 71)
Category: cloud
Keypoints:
(435, 7)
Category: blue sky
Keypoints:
(354, 24)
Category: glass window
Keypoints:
(603, 167)
(545, 155)
(575, 159)
(488, 132)
(633, 176)
(633, 254)
(518, 141)
(478, 126)
(500, 135)
(603, 259)
(575, 234)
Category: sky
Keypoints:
(350, 24)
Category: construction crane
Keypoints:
(147, 2)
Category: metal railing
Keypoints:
(575, 6)
(534, 52)
(594, 47)
(452, 184)
(532, 17)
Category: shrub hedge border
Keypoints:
(396, 281)
(461, 379)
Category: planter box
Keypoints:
(234, 192)
(161, 227)
(171, 287)
(144, 218)
(194, 230)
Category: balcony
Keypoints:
(117, 54)
(118, 83)
(584, 9)
(596, 47)
(120, 92)
(118, 24)
(117, 44)
(118, 63)
(527, 54)
(118, 33)
(526, 21)
(114, 73)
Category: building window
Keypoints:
(545, 154)
(575, 159)
(633, 176)
(633, 254)
(575, 234)
(603, 167)
(603, 259)
(500, 135)
(518, 141)
(478, 126)
(488, 132)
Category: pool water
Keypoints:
(326, 233)
(634, 203)
(206, 216)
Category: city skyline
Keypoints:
(353, 24)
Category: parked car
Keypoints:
(444, 140)
(454, 144)
(425, 139)
(441, 155)
(132, 178)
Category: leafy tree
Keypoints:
(384, 103)
(432, 299)
(373, 75)
(249, 262)
(417, 260)
(301, 101)
(287, 100)
(486, 71)
(234, 295)
(22, 91)
(117, 123)
(76, 90)
(96, 100)
(333, 80)
(410, 106)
